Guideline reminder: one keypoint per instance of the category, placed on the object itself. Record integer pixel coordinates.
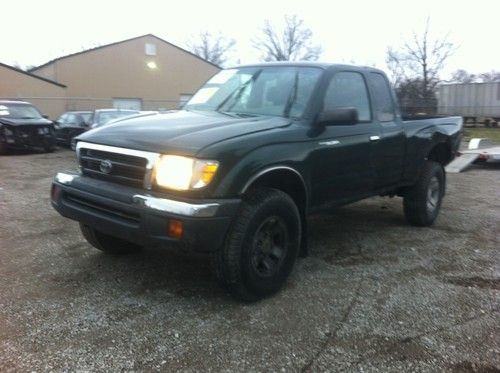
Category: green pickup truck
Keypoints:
(256, 150)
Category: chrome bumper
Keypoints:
(202, 210)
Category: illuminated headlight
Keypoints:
(183, 173)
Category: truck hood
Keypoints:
(25, 122)
(182, 132)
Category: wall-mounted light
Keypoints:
(152, 65)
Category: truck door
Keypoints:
(389, 147)
(341, 162)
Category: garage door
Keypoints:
(127, 103)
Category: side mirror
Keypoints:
(45, 116)
(338, 116)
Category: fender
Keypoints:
(270, 169)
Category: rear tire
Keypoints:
(422, 201)
(261, 246)
(107, 243)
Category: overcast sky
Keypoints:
(349, 31)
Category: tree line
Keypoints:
(414, 67)
(293, 42)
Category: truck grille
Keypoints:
(120, 168)
(31, 134)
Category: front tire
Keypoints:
(422, 201)
(3, 148)
(49, 146)
(107, 243)
(261, 246)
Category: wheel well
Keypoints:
(287, 181)
(441, 153)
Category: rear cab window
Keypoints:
(382, 97)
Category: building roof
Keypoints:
(120, 42)
(31, 75)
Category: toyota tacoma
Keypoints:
(256, 150)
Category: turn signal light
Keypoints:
(175, 228)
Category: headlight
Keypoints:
(8, 132)
(183, 173)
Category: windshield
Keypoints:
(19, 111)
(106, 116)
(276, 91)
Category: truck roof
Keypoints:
(323, 65)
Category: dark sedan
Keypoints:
(71, 124)
(101, 117)
(22, 126)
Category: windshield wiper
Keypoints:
(292, 97)
(237, 92)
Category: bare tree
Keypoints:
(462, 76)
(212, 48)
(420, 60)
(491, 77)
(292, 43)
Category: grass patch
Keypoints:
(491, 133)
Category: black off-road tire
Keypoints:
(422, 201)
(268, 221)
(107, 243)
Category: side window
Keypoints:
(382, 97)
(348, 89)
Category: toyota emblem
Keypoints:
(106, 166)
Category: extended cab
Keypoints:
(237, 171)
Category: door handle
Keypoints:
(374, 138)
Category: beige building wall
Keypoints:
(48, 97)
(121, 70)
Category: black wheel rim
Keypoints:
(270, 245)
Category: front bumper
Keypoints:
(29, 137)
(133, 215)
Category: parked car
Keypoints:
(101, 117)
(71, 124)
(256, 150)
(118, 119)
(22, 126)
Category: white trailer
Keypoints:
(475, 102)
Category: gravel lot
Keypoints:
(374, 294)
